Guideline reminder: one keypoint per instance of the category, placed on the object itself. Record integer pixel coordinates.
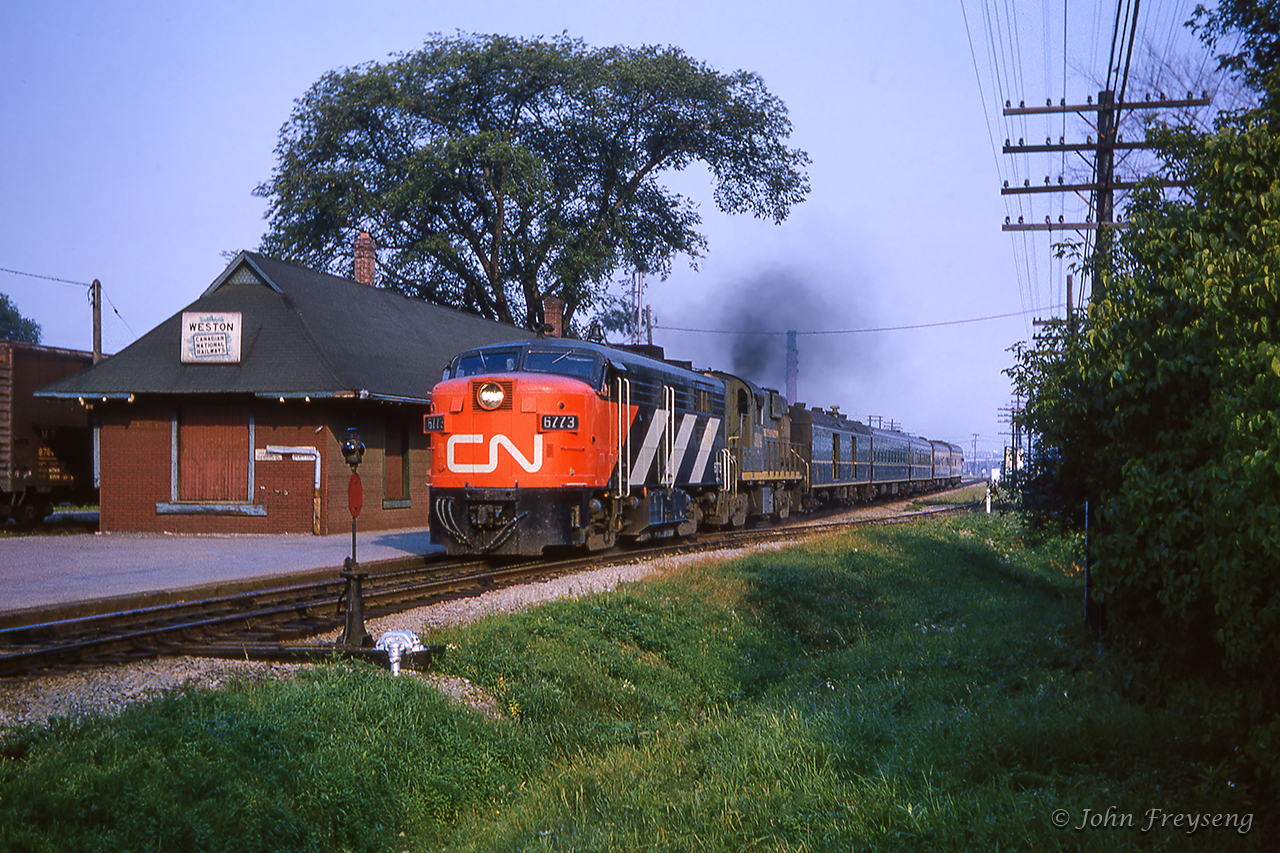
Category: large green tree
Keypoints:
(15, 327)
(495, 171)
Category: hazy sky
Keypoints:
(132, 135)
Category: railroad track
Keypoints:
(269, 623)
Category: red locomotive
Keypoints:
(559, 442)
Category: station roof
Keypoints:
(303, 334)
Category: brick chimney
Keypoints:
(553, 314)
(366, 259)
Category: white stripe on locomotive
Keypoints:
(704, 450)
(649, 449)
(682, 442)
(648, 452)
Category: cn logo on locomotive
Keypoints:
(491, 465)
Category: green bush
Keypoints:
(1165, 414)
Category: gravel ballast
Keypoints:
(109, 689)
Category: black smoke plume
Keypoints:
(761, 310)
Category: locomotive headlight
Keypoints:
(490, 396)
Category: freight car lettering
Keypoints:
(492, 465)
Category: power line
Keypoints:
(77, 284)
(46, 277)
(862, 331)
(121, 316)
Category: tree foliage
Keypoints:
(494, 171)
(1257, 58)
(1166, 411)
(15, 327)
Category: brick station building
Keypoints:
(229, 416)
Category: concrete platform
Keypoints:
(43, 578)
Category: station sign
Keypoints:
(211, 337)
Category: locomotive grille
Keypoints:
(505, 384)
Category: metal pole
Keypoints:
(639, 288)
(1071, 317)
(95, 297)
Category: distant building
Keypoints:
(229, 416)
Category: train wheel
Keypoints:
(782, 504)
(693, 520)
(599, 539)
(28, 515)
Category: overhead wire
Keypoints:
(740, 332)
(68, 281)
(982, 97)
(47, 277)
(1020, 80)
(1014, 206)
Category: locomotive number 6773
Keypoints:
(558, 442)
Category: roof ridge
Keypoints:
(296, 309)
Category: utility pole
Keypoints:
(638, 289)
(793, 368)
(95, 299)
(1103, 187)
(1071, 317)
(1101, 198)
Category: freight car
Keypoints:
(557, 442)
(46, 446)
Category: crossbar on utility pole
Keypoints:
(1091, 107)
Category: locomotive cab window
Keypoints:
(613, 374)
(486, 361)
(563, 362)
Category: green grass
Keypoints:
(970, 494)
(922, 687)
